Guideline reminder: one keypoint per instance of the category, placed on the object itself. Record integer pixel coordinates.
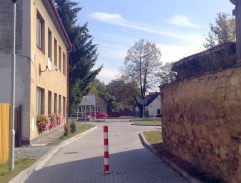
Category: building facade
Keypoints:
(42, 47)
(153, 104)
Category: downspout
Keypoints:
(67, 112)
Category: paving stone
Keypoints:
(82, 160)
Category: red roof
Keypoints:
(61, 23)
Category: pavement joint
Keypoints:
(25, 174)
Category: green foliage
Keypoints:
(6, 175)
(124, 94)
(66, 129)
(73, 127)
(100, 90)
(222, 31)
(83, 56)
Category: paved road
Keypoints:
(82, 160)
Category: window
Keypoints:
(97, 109)
(50, 45)
(64, 64)
(64, 106)
(40, 101)
(49, 102)
(55, 103)
(40, 32)
(55, 52)
(158, 111)
(60, 109)
(60, 65)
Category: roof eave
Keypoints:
(61, 25)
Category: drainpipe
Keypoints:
(12, 130)
(67, 99)
(237, 14)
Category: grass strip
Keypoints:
(80, 128)
(147, 123)
(155, 139)
(6, 175)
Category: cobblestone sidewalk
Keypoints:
(38, 146)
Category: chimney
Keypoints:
(237, 14)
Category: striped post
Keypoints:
(106, 151)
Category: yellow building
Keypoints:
(41, 64)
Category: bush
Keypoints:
(43, 123)
(53, 120)
(73, 127)
(59, 119)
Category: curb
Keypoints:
(25, 174)
(168, 162)
(145, 125)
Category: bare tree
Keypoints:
(222, 31)
(142, 65)
(166, 74)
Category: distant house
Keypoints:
(42, 48)
(153, 104)
(101, 105)
(91, 104)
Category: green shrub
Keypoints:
(73, 127)
(66, 129)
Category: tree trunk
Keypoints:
(141, 111)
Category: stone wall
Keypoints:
(202, 122)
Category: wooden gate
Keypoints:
(4, 132)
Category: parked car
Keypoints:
(98, 114)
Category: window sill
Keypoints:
(41, 49)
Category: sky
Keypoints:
(178, 27)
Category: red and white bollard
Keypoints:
(106, 151)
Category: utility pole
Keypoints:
(12, 130)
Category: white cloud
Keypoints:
(173, 53)
(108, 74)
(181, 20)
(117, 19)
(108, 17)
(113, 51)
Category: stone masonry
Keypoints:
(202, 121)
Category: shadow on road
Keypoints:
(135, 166)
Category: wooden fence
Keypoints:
(4, 133)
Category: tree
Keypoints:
(100, 90)
(125, 94)
(83, 56)
(222, 31)
(166, 74)
(142, 65)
